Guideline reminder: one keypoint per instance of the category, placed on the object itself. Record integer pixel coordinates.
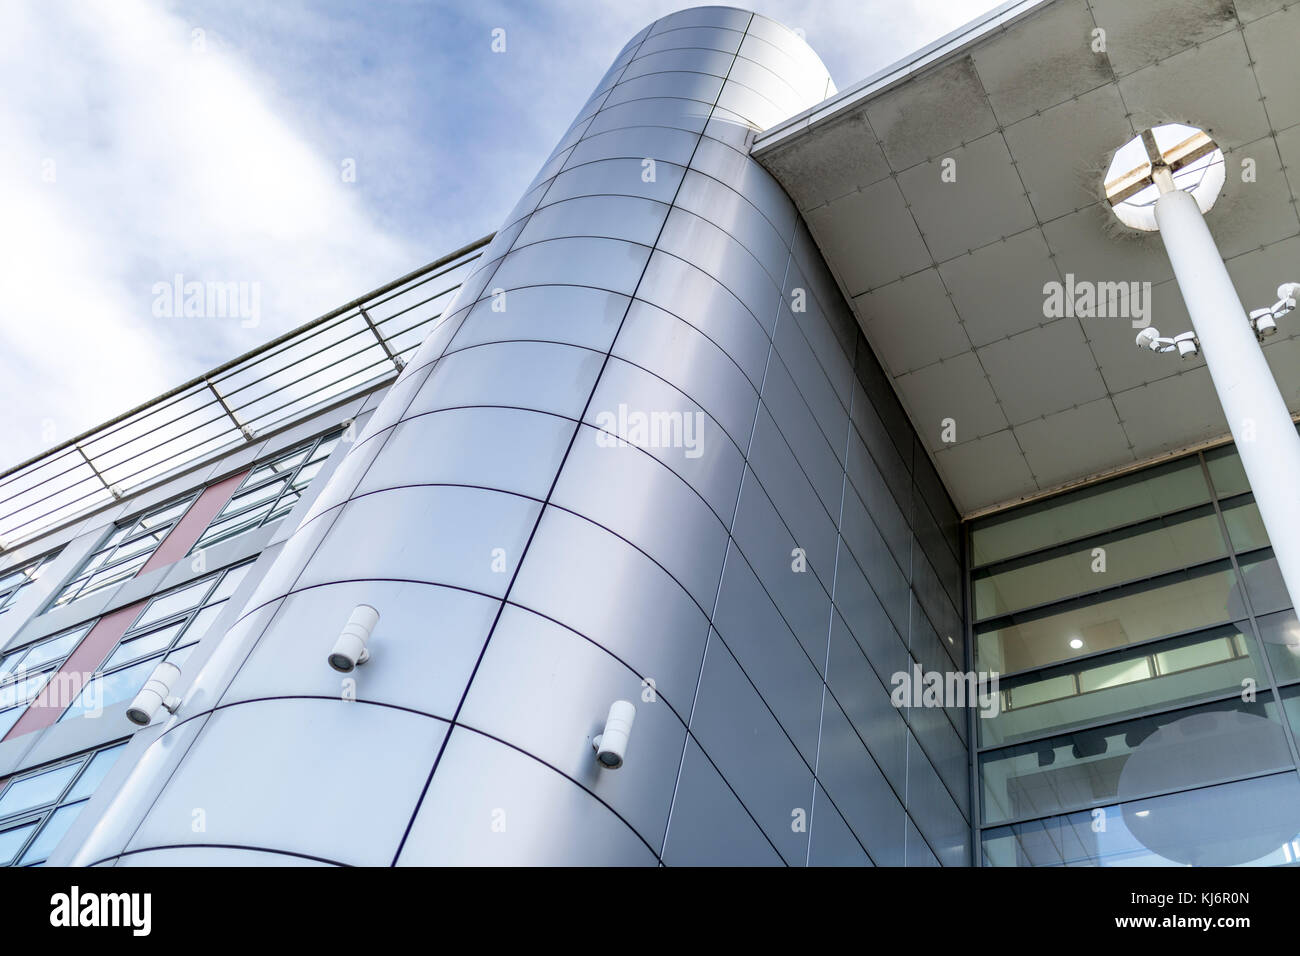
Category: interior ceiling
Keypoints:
(946, 278)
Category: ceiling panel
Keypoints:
(1173, 412)
(1092, 244)
(1045, 401)
(1086, 438)
(1046, 60)
(887, 251)
(835, 159)
(1251, 10)
(1041, 371)
(1258, 273)
(1211, 87)
(912, 322)
(931, 114)
(1272, 43)
(986, 469)
(1124, 365)
(1283, 354)
(1060, 177)
(989, 306)
(952, 389)
(1251, 214)
(1138, 34)
(982, 201)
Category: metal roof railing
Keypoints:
(358, 345)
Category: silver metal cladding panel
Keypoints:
(591, 483)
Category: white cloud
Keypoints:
(170, 160)
(165, 159)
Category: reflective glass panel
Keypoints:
(1264, 582)
(1226, 473)
(1164, 673)
(177, 602)
(12, 840)
(1171, 604)
(1280, 633)
(27, 793)
(100, 764)
(1136, 758)
(1247, 823)
(55, 827)
(268, 491)
(108, 689)
(1245, 527)
(142, 645)
(124, 552)
(1150, 548)
(1111, 504)
(12, 582)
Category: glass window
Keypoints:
(1280, 633)
(169, 605)
(1153, 547)
(269, 491)
(1250, 822)
(1172, 751)
(1170, 604)
(1245, 526)
(36, 790)
(1180, 670)
(1127, 699)
(13, 839)
(166, 629)
(125, 552)
(1110, 504)
(1226, 473)
(38, 807)
(1264, 582)
(25, 670)
(12, 582)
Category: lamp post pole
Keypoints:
(1261, 425)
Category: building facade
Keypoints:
(636, 447)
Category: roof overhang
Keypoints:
(947, 278)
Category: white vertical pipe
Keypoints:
(1261, 425)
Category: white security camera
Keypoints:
(611, 746)
(1149, 338)
(350, 648)
(155, 693)
(1262, 321)
(1288, 293)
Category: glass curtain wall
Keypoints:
(1150, 675)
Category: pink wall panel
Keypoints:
(193, 523)
(64, 686)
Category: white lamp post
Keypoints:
(1261, 425)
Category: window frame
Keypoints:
(42, 813)
(122, 535)
(270, 509)
(183, 620)
(10, 678)
(32, 571)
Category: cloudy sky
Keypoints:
(143, 139)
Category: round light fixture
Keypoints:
(1194, 160)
